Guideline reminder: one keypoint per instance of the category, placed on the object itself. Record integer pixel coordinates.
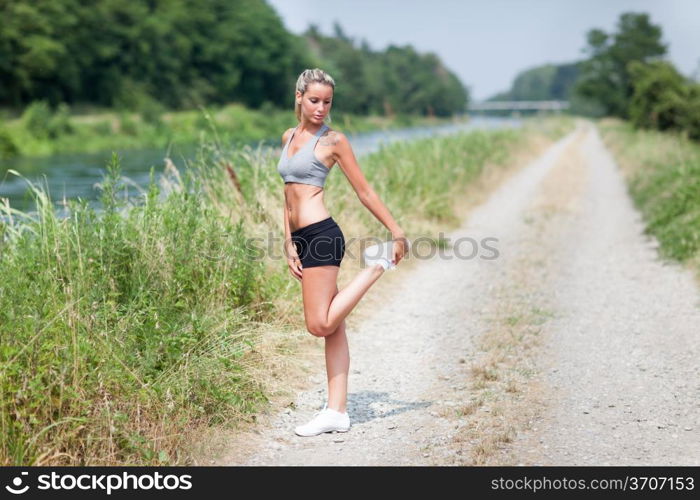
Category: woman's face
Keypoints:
(316, 102)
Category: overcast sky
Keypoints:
(486, 43)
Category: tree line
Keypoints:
(625, 75)
(180, 54)
(396, 80)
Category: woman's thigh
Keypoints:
(319, 286)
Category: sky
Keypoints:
(487, 43)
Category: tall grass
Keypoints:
(121, 328)
(663, 172)
(124, 331)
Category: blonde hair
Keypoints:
(307, 77)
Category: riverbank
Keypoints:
(136, 329)
(42, 132)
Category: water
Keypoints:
(72, 176)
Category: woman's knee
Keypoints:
(319, 329)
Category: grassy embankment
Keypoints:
(127, 333)
(42, 132)
(663, 175)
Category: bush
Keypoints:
(44, 123)
(664, 99)
(691, 118)
(8, 147)
(127, 124)
(135, 96)
(35, 119)
(102, 127)
(151, 111)
(59, 123)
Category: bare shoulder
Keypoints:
(332, 138)
(285, 136)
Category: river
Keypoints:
(71, 176)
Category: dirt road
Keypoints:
(575, 345)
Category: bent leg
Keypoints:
(325, 307)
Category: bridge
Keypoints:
(519, 106)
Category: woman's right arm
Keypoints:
(290, 250)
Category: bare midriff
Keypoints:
(304, 204)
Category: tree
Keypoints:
(542, 83)
(35, 48)
(397, 80)
(605, 76)
(135, 52)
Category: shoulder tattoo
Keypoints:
(329, 138)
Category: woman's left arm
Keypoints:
(345, 157)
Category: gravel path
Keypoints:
(622, 360)
(603, 369)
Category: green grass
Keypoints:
(125, 332)
(114, 322)
(425, 176)
(663, 173)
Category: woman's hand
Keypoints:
(400, 248)
(294, 267)
(293, 261)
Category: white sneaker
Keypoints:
(326, 420)
(381, 253)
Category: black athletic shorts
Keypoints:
(320, 244)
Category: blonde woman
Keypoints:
(315, 244)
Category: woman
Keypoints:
(315, 245)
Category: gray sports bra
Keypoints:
(303, 167)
